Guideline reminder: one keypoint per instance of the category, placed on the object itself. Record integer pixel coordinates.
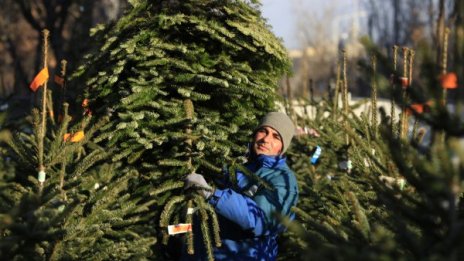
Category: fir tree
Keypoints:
(402, 198)
(183, 83)
(53, 205)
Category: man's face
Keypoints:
(267, 141)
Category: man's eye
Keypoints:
(276, 136)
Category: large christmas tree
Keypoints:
(183, 84)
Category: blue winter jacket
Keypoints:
(248, 225)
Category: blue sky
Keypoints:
(282, 19)
(281, 15)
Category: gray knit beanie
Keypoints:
(282, 124)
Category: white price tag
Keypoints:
(179, 228)
(190, 211)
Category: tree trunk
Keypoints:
(440, 30)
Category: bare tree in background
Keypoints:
(420, 24)
(68, 21)
(322, 38)
(406, 22)
(318, 54)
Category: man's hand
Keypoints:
(198, 181)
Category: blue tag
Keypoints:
(316, 155)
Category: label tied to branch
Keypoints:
(179, 228)
(190, 211)
(404, 81)
(74, 137)
(39, 79)
(316, 154)
(41, 176)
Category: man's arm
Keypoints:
(256, 214)
(240, 209)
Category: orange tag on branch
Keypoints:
(416, 107)
(39, 79)
(76, 137)
(59, 80)
(404, 81)
(419, 108)
(179, 228)
(449, 81)
(85, 102)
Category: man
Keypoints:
(246, 212)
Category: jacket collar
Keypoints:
(266, 161)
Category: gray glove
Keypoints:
(198, 181)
